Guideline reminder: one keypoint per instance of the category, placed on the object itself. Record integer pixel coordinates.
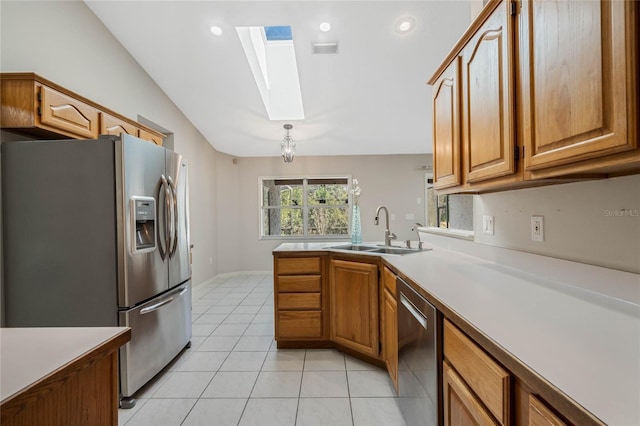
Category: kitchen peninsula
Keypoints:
(60, 376)
(568, 334)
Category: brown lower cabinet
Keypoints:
(389, 329)
(349, 302)
(301, 306)
(354, 306)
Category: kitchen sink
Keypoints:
(378, 249)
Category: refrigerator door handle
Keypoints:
(164, 245)
(158, 305)
(155, 307)
(174, 236)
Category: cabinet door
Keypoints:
(446, 128)
(62, 113)
(390, 336)
(110, 125)
(487, 99)
(354, 305)
(461, 407)
(578, 80)
(540, 415)
(148, 136)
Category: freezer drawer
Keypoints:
(160, 329)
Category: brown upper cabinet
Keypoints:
(538, 92)
(38, 107)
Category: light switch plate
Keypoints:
(537, 228)
(487, 225)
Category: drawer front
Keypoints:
(110, 125)
(303, 324)
(483, 375)
(298, 265)
(147, 136)
(540, 415)
(389, 281)
(299, 283)
(299, 301)
(62, 112)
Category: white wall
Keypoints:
(595, 222)
(64, 42)
(395, 181)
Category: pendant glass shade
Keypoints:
(288, 146)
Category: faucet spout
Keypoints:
(388, 235)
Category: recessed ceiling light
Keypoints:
(325, 26)
(215, 30)
(405, 25)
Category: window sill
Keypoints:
(453, 233)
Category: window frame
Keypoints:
(305, 209)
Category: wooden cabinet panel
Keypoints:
(299, 324)
(354, 305)
(299, 283)
(299, 301)
(446, 128)
(461, 407)
(390, 336)
(579, 98)
(540, 415)
(389, 279)
(62, 112)
(151, 137)
(18, 103)
(110, 125)
(298, 265)
(483, 375)
(389, 328)
(487, 99)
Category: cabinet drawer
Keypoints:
(110, 125)
(299, 301)
(298, 265)
(389, 281)
(148, 136)
(483, 375)
(540, 415)
(302, 324)
(299, 283)
(461, 407)
(62, 112)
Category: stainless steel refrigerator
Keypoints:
(96, 233)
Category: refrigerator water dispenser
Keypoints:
(144, 223)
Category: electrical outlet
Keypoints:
(537, 228)
(487, 225)
(392, 217)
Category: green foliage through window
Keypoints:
(303, 207)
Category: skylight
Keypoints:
(278, 33)
(272, 59)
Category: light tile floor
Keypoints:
(233, 374)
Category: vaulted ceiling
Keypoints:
(369, 98)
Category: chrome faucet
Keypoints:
(388, 235)
(415, 228)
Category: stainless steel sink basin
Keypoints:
(378, 249)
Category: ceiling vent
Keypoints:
(324, 48)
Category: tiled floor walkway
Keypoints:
(234, 375)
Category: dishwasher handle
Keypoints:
(414, 311)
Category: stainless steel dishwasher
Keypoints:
(419, 354)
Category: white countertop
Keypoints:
(576, 325)
(29, 354)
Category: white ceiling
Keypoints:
(370, 98)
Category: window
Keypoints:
(305, 207)
(448, 211)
